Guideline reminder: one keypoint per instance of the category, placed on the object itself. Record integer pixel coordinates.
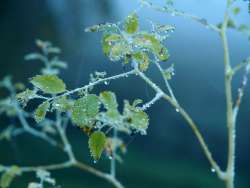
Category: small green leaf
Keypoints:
(85, 110)
(236, 10)
(150, 42)
(131, 24)
(108, 98)
(135, 118)
(41, 111)
(9, 176)
(143, 60)
(97, 142)
(107, 42)
(49, 84)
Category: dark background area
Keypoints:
(169, 155)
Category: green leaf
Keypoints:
(97, 143)
(143, 60)
(119, 51)
(150, 42)
(131, 23)
(85, 110)
(41, 111)
(9, 176)
(107, 42)
(108, 98)
(135, 118)
(49, 84)
(236, 10)
(62, 104)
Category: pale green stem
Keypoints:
(190, 122)
(228, 73)
(113, 160)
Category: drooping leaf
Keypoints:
(108, 98)
(85, 110)
(97, 143)
(131, 23)
(49, 84)
(9, 176)
(41, 111)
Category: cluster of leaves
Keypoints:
(86, 111)
(127, 43)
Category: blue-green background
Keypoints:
(169, 156)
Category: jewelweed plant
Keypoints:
(97, 114)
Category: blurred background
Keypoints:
(169, 155)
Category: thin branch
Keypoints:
(175, 12)
(31, 130)
(241, 91)
(91, 84)
(70, 164)
(190, 122)
(166, 81)
(241, 65)
(147, 105)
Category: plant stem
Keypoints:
(190, 122)
(113, 160)
(228, 74)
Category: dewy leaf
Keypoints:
(131, 23)
(143, 60)
(108, 98)
(85, 110)
(107, 42)
(41, 111)
(150, 42)
(97, 142)
(9, 176)
(49, 84)
(62, 104)
(135, 118)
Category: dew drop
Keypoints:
(95, 161)
(212, 170)
(177, 110)
(110, 157)
(106, 83)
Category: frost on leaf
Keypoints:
(41, 111)
(97, 142)
(135, 118)
(9, 176)
(85, 110)
(49, 83)
(131, 23)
